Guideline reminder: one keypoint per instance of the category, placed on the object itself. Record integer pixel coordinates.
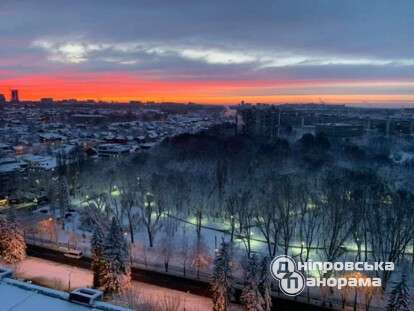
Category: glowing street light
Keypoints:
(149, 200)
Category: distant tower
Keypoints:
(387, 127)
(14, 96)
(2, 99)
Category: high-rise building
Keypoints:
(2, 99)
(260, 121)
(14, 96)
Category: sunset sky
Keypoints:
(216, 51)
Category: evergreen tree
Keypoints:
(400, 298)
(251, 297)
(12, 243)
(117, 273)
(265, 284)
(221, 282)
(98, 259)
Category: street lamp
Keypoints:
(149, 200)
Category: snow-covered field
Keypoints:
(66, 277)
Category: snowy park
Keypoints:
(180, 207)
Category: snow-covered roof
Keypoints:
(18, 299)
(45, 162)
(10, 165)
(51, 136)
(20, 296)
(65, 149)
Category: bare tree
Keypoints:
(236, 202)
(245, 216)
(202, 189)
(184, 252)
(95, 213)
(268, 222)
(167, 243)
(337, 225)
(201, 258)
(309, 221)
(130, 194)
(286, 192)
(391, 223)
(152, 207)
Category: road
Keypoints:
(196, 287)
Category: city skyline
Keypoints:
(213, 53)
(197, 155)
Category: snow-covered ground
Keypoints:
(66, 277)
(179, 246)
(52, 274)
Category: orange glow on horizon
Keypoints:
(122, 87)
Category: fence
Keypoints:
(189, 273)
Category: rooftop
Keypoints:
(20, 296)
